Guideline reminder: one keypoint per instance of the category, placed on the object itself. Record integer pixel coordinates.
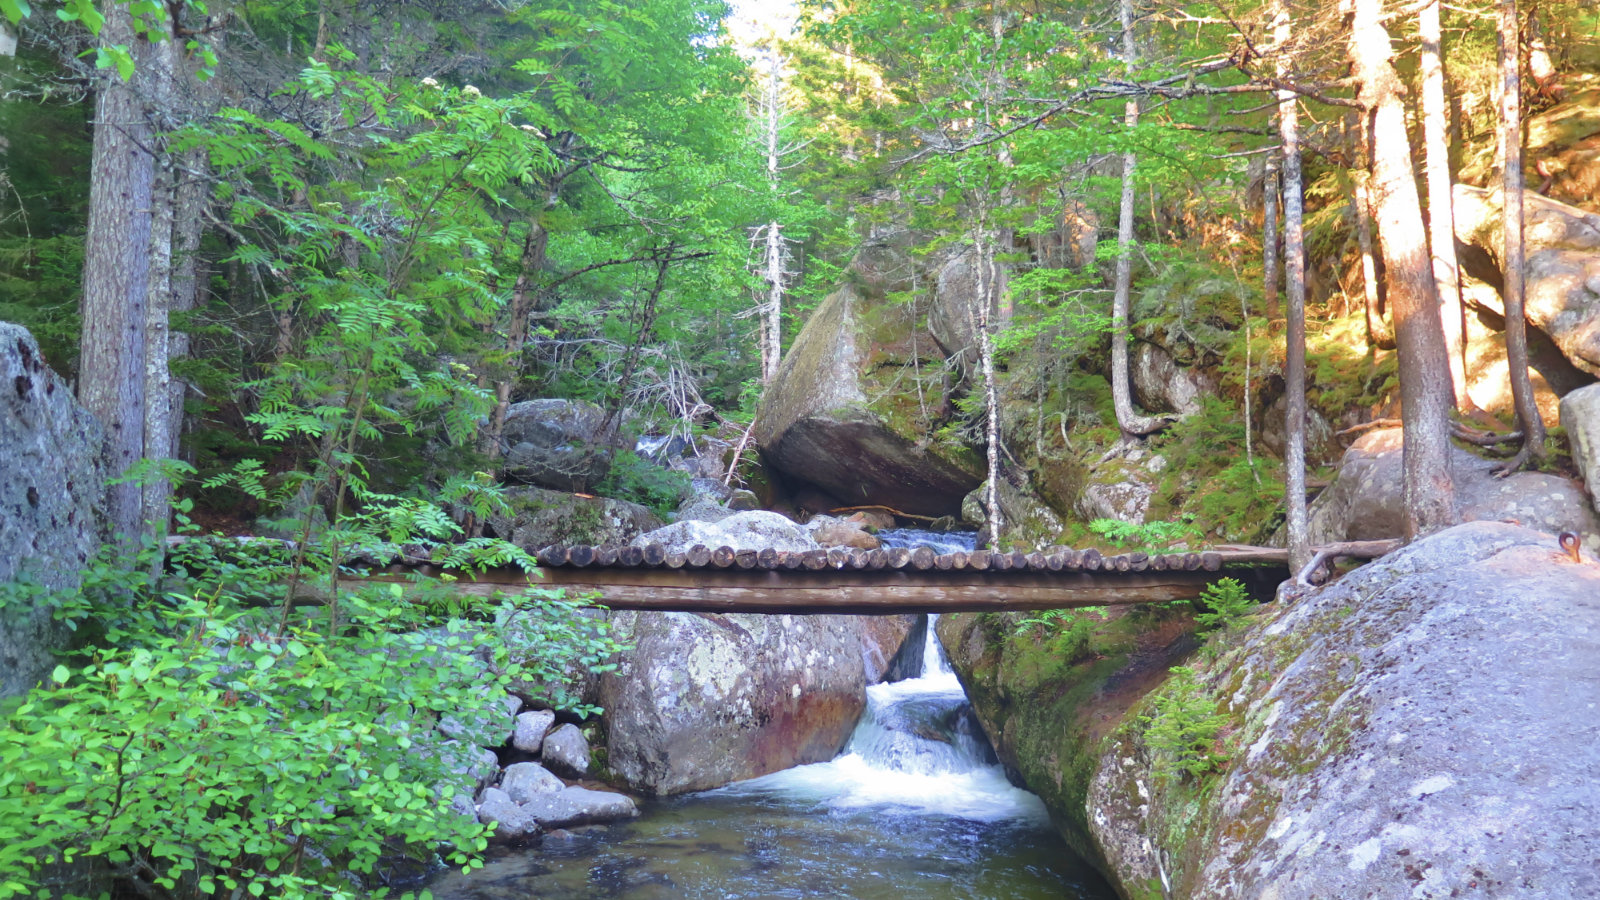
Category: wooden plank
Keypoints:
(867, 591)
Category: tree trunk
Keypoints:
(1441, 218)
(1269, 237)
(1533, 434)
(1424, 363)
(534, 247)
(116, 267)
(987, 279)
(1379, 335)
(772, 315)
(1294, 270)
(1129, 421)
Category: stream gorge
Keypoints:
(916, 806)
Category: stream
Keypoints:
(914, 808)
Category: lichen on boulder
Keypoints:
(853, 406)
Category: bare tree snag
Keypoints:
(1425, 390)
(1513, 259)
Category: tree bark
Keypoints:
(1441, 217)
(1129, 422)
(1533, 433)
(1425, 390)
(1269, 237)
(1379, 335)
(116, 270)
(1294, 270)
(772, 315)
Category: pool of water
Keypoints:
(915, 808)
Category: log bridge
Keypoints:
(865, 582)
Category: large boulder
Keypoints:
(707, 699)
(750, 530)
(857, 397)
(1161, 385)
(536, 518)
(1367, 500)
(1423, 728)
(1580, 416)
(51, 495)
(560, 444)
(1562, 270)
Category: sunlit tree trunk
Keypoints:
(1294, 271)
(116, 272)
(1441, 219)
(1128, 420)
(1379, 334)
(1533, 434)
(1425, 390)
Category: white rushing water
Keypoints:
(916, 751)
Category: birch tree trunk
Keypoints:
(1533, 434)
(984, 321)
(1441, 217)
(772, 316)
(1129, 422)
(1294, 270)
(116, 272)
(1425, 389)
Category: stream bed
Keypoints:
(915, 808)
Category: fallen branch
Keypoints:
(1328, 552)
(1457, 430)
(888, 509)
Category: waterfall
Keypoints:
(917, 750)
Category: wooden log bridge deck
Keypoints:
(875, 582)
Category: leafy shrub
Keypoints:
(1184, 731)
(216, 740)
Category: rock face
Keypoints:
(51, 492)
(751, 530)
(538, 518)
(846, 413)
(1562, 270)
(1580, 416)
(1366, 501)
(1423, 728)
(558, 443)
(1161, 385)
(706, 699)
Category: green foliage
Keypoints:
(1226, 602)
(1150, 535)
(204, 742)
(1210, 479)
(1184, 731)
(643, 482)
(1066, 634)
